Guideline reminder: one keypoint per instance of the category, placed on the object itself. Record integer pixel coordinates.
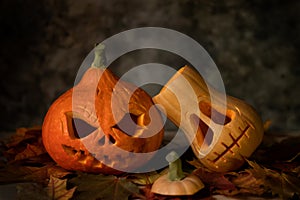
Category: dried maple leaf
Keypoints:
(15, 173)
(32, 191)
(25, 143)
(56, 189)
(103, 187)
(146, 194)
(214, 180)
(282, 184)
(245, 183)
(45, 172)
(24, 134)
(146, 178)
(57, 171)
(32, 150)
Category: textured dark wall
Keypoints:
(255, 44)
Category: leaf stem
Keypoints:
(175, 167)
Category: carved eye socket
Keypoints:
(213, 114)
(129, 123)
(204, 133)
(78, 128)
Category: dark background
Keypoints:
(255, 45)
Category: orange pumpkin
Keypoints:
(85, 128)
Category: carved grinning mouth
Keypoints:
(81, 156)
(228, 148)
(72, 151)
(79, 128)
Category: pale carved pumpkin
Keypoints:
(80, 131)
(221, 135)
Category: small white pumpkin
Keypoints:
(175, 182)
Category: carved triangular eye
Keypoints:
(129, 123)
(204, 134)
(78, 128)
(216, 116)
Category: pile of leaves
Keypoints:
(25, 162)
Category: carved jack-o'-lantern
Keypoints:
(84, 128)
(221, 135)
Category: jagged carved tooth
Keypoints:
(141, 119)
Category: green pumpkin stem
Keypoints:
(175, 167)
(99, 60)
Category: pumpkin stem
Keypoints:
(175, 167)
(99, 59)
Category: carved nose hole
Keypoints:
(213, 114)
(101, 142)
(204, 134)
(78, 128)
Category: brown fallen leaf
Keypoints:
(146, 178)
(25, 143)
(103, 187)
(57, 172)
(23, 135)
(245, 184)
(283, 184)
(47, 171)
(215, 180)
(32, 150)
(32, 191)
(16, 173)
(56, 189)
